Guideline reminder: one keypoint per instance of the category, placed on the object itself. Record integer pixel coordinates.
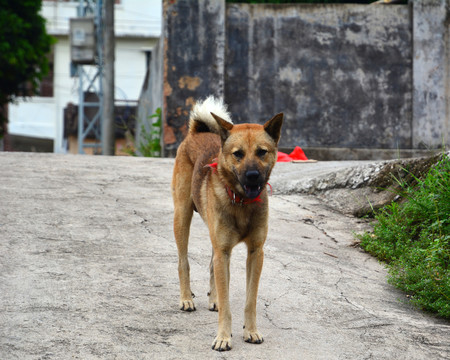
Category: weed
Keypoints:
(413, 238)
(150, 143)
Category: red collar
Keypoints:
(235, 198)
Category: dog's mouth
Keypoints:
(252, 191)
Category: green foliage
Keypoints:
(23, 46)
(413, 237)
(150, 144)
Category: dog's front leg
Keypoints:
(221, 262)
(255, 259)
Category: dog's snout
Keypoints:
(252, 175)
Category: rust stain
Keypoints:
(190, 102)
(167, 89)
(184, 130)
(169, 135)
(190, 82)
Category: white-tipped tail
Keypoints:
(201, 120)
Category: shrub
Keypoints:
(413, 237)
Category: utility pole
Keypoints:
(108, 138)
(86, 39)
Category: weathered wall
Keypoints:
(340, 73)
(194, 41)
(151, 96)
(346, 76)
(431, 73)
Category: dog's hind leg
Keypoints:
(212, 287)
(181, 192)
(182, 223)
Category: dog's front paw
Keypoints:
(187, 305)
(221, 343)
(253, 337)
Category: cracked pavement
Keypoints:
(88, 270)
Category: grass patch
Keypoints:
(413, 237)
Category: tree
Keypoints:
(24, 44)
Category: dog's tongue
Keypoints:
(252, 191)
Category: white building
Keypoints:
(137, 29)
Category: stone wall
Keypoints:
(340, 73)
(347, 76)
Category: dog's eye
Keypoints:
(238, 154)
(261, 152)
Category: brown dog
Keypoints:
(221, 170)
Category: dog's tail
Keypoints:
(201, 120)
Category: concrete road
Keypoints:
(88, 270)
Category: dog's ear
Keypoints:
(273, 127)
(224, 127)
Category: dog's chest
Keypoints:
(243, 220)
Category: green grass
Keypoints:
(150, 140)
(150, 145)
(413, 237)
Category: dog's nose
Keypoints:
(252, 175)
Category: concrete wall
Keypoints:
(340, 73)
(151, 96)
(194, 45)
(346, 76)
(431, 73)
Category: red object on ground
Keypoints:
(297, 154)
